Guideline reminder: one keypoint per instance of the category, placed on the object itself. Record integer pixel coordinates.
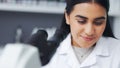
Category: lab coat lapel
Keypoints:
(101, 49)
(67, 51)
(89, 61)
(72, 61)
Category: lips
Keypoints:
(87, 38)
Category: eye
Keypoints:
(98, 23)
(82, 21)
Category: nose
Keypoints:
(89, 30)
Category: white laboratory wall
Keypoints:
(116, 27)
(114, 11)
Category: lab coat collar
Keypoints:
(65, 45)
(100, 49)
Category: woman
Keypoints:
(89, 41)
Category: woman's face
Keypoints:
(87, 23)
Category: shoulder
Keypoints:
(111, 41)
(112, 44)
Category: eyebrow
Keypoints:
(98, 18)
(80, 16)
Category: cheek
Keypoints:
(100, 30)
(74, 26)
(76, 31)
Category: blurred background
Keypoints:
(21, 18)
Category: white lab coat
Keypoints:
(106, 54)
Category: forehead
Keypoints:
(92, 10)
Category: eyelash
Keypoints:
(82, 21)
(97, 23)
